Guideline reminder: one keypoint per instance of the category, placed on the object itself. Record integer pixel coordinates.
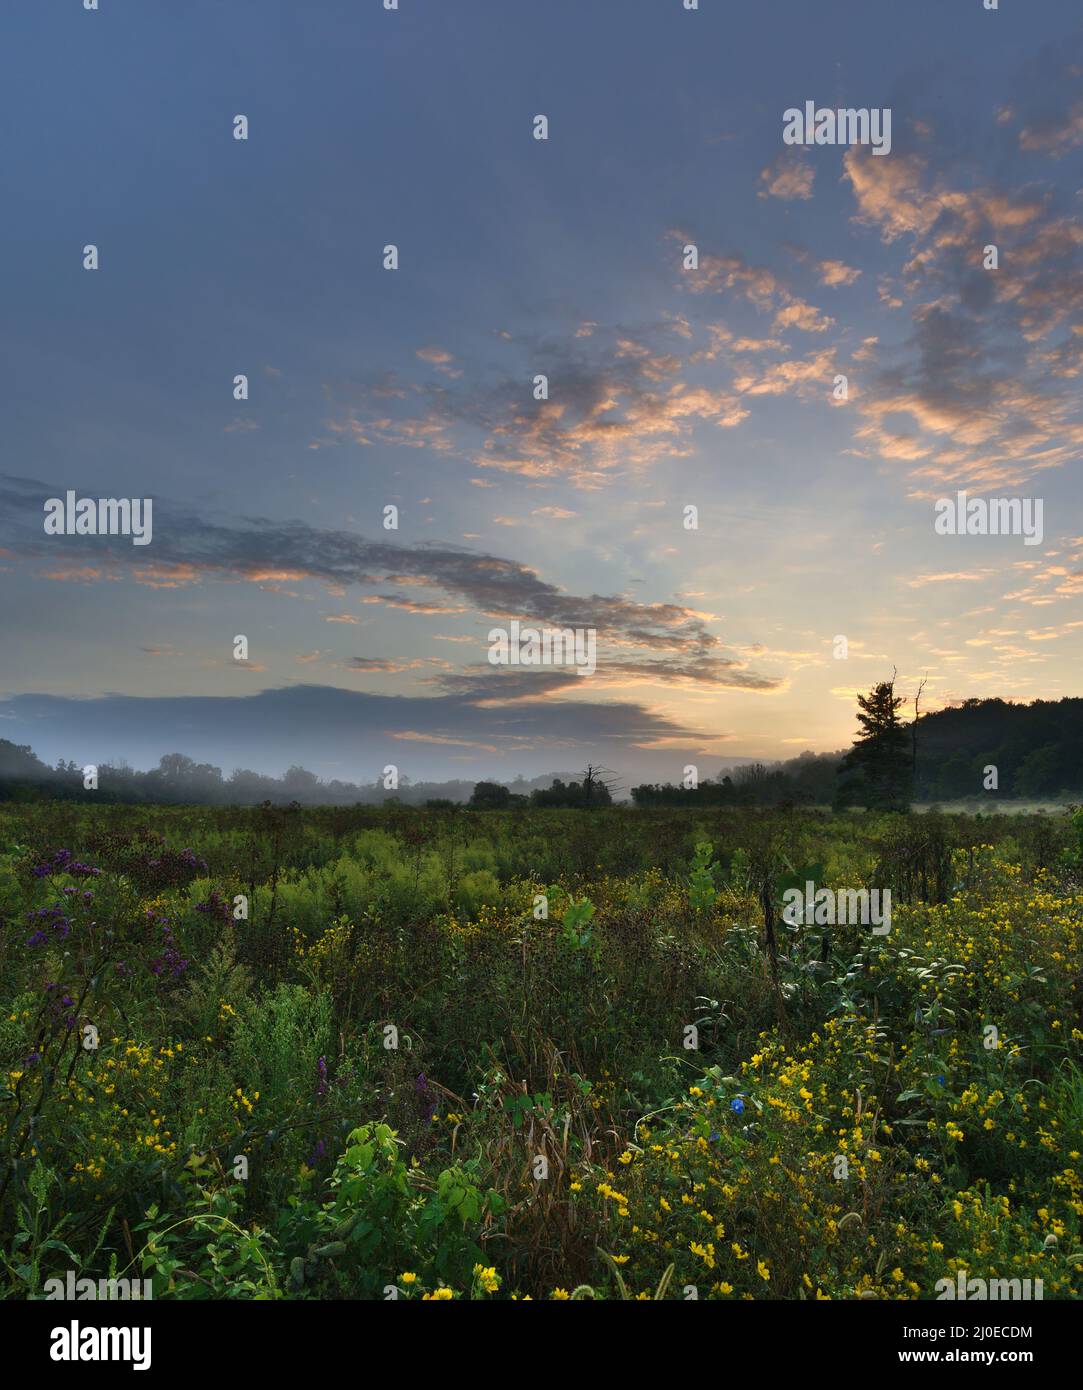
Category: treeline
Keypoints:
(810, 780)
(980, 748)
(183, 781)
(176, 780)
(1036, 749)
(179, 780)
(583, 795)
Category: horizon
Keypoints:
(721, 769)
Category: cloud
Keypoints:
(721, 274)
(1056, 136)
(977, 394)
(949, 577)
(1047, 106)
(441, 359)
(801, 376)
(804, 316)
(836, 273)
(890, 193)
(616, 405)
(698, 670)
(621, 400)
(384, 664)
(198, 549)
(354, 733)
(789, 177)
(758, 286)
(833, 273)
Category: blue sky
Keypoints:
(668, 388)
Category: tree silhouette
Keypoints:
(880, 759)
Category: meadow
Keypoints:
(361, 1053)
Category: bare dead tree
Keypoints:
(598, 776)
(914, 727)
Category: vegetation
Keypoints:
(1037, 750)
(280, 1053)
(981, 750)
(878, 769)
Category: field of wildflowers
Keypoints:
(443, 1055)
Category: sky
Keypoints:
(713, 387)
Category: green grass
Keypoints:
(522, 1053)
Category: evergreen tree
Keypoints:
(880, 759)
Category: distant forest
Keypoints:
(980, 748)
(1036, 749)
(181, 780)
